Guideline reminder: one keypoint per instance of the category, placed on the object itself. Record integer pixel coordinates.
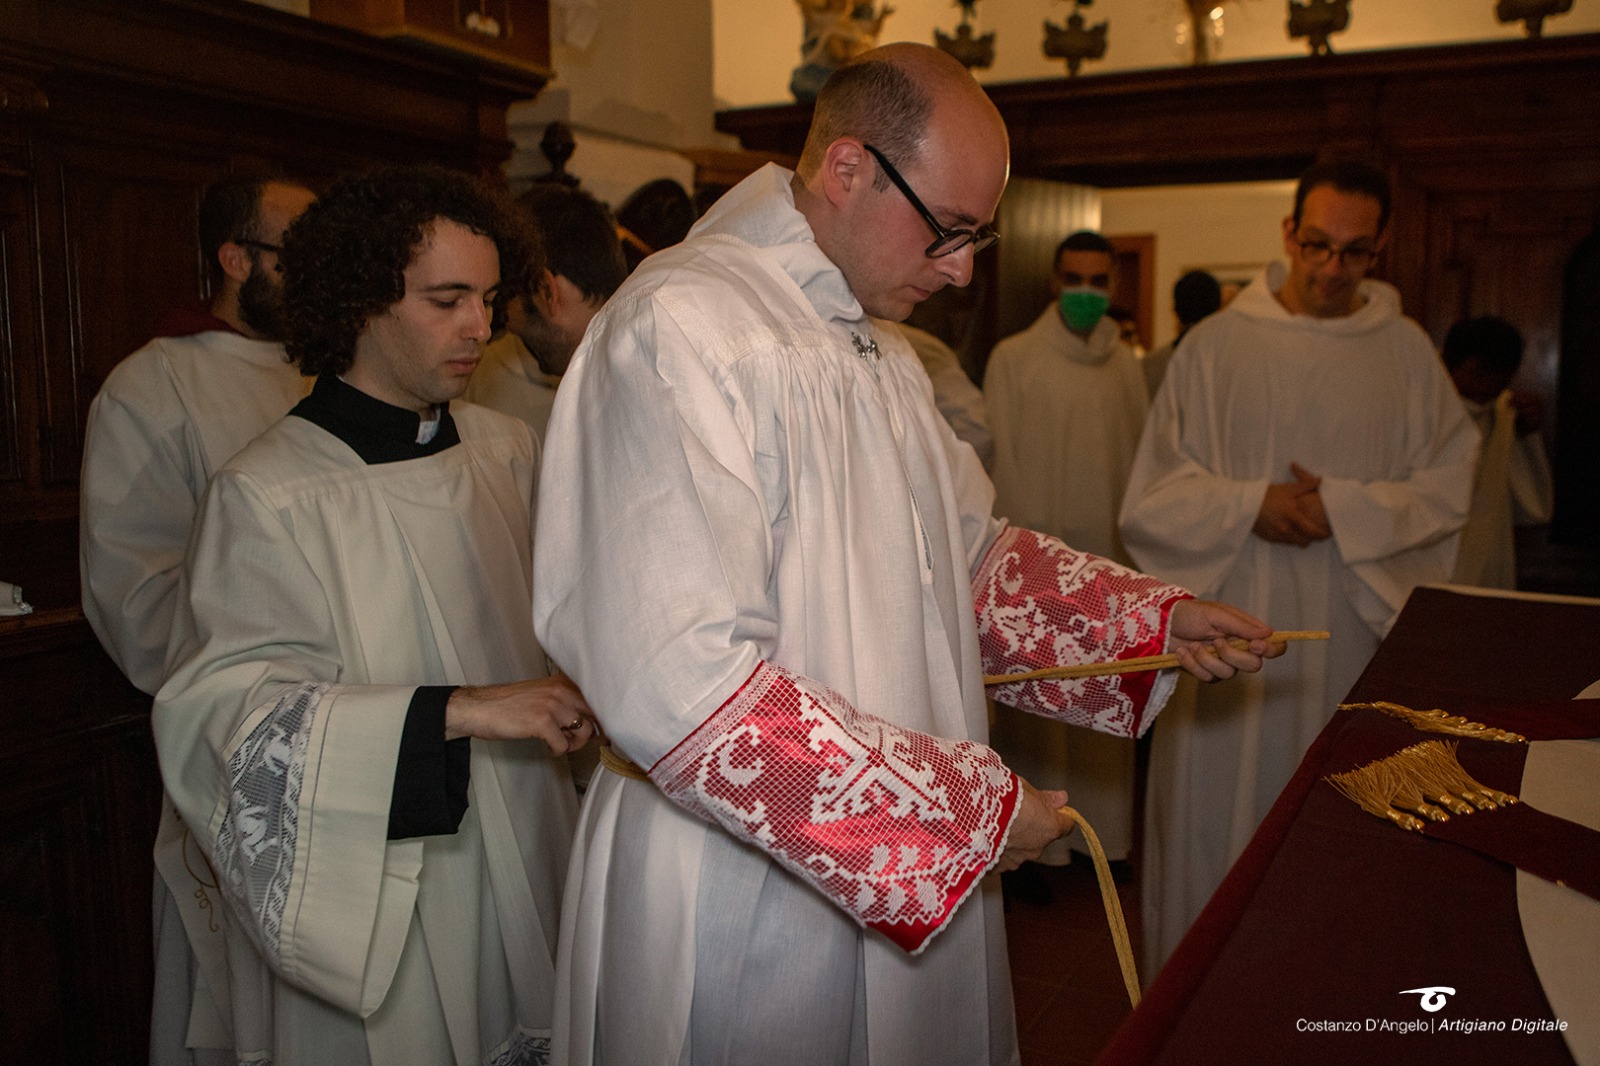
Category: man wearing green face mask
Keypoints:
(1066, 402)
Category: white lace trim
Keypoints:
(255, 848)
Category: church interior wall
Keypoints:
(1230, 229)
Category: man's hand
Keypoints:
(550, 708)
(1292, 512)
(1039, 821)
(1204, 628)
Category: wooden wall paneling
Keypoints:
(118, 226)
(76, 819)
(1135, 265)
(16, 325)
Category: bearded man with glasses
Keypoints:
(776, 574)
(1308, 459)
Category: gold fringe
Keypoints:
(1425, 779)
(1138, 663)
(1436, 721)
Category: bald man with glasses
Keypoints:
(776, 574)
(1306, 458)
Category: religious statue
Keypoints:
(836, 32)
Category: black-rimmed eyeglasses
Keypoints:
(947, 240)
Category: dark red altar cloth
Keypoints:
(1307, 950)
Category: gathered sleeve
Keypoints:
(283, 773)
(1180, 518)
(138, 496)
(1401, 531)
(655, 590)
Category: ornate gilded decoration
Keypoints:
(1317, 20)
(1075, 41)
(1425, 779)
(1436, 721)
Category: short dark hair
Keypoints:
(1494, 342)
(344, 260)
(579, 235)
(1084, 240)
(1349, 176)
(876, 101)
(230, 211)
(1196, 295)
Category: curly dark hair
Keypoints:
(344, 260)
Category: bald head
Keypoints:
(887, 97)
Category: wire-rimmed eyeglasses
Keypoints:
(1353, 256)
(946, 240)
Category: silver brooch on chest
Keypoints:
(865, 347)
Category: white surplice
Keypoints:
(1513, 488)
(1066, 412)
(167, 417)
(1361, 401)
(958, 399)
(748, 490)
(509, 380)
(319, 592)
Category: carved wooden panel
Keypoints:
(78, 795)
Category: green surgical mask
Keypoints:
(1083, 306)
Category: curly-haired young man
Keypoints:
(388, 842)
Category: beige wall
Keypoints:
(757, 42)
(632, 78)
(1229, 229)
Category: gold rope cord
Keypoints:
(1113, 905)
(1425, 779)
(619, 764)
(1139, 663)
(1436, 721)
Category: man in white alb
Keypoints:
(356, 730)
(774, 571)
(1308, 459)
(174, 411)
(1066, 402)
(523, 365)
(166, 418)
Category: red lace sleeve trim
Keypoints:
(895, 826)
(1041, 604)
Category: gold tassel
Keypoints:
(1425, 779)
(1436, 721)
